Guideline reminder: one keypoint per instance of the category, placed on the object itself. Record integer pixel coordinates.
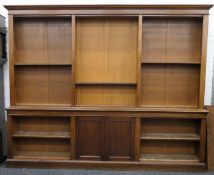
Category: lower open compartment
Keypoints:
(172, 140)
(37, 148)
(169, 151)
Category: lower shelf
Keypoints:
(42, 155)
(170, 136)
(41, 134)
(169, 158)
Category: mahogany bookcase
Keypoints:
(108, 86)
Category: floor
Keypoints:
(24, 171)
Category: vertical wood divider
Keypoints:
(11, 59)
(73, 57)
(140, 25)
(203, 134)
(10, 136)
(203, 60)
(137, 138)
(73, 137)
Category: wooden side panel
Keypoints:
(10, 130)
(43, 85)
(210, 138)
(90, 138)
(184, 40)
(12, 58)
(203, 60)
(73, 142)
(73, 59)
(114, 95)
(203, 135)
(154, 40)
(139, 59)
(137, 138)
(153, 88)
(119, 141)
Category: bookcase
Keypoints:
(108, 86)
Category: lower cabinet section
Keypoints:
(105, 138)
(112, 141)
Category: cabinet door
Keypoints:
(90, 138)
(119, 135)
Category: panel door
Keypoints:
(90, 138)
(119, 139)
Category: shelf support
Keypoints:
(203, 134)
(203, 60)
(11, 59)
(140, 26)
(137, 138)
(73, 56)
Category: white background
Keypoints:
(210, 52)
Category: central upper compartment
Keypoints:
(106, 61)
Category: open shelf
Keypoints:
(40, 64)
(42, 155)
(170, 136)
(178, 63)
(169, 158)
(41, 134)
(106, 83)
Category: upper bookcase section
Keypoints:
(201, 9)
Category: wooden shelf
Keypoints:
(169, 158)
(47, 105)
(41, 134)
(129, 109)
(40, 64)
(177, 63)
(42, 155)
(106, 83)
(170, 136)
